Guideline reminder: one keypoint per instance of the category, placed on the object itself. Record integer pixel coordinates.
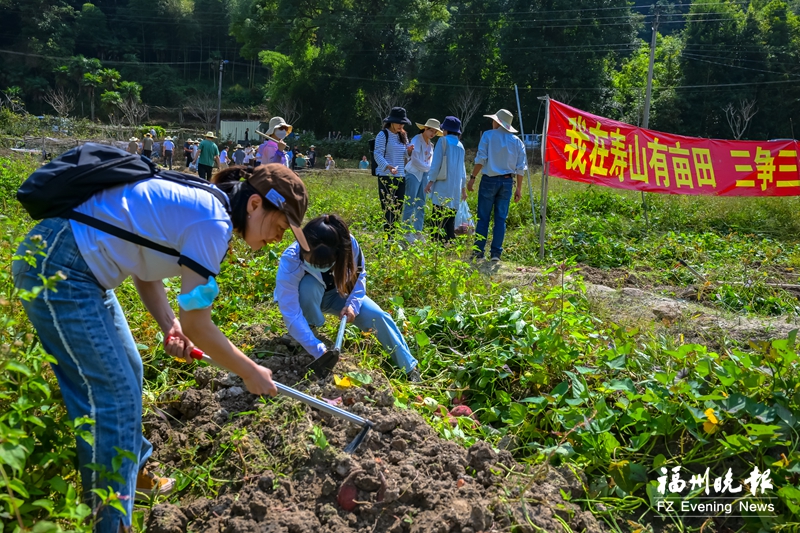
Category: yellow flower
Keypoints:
(343, 383)
(712, 425)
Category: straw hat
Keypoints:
(133, 140)
(238, 146)
(277, 122)
(432, 124)
(504, 118)
(147, 135)
(312, 146)
(167, 138)
(328, 156)
(210, 135)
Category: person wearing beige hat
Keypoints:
(501, 157)
(147, 145)
(417, 176)
(167, 149)
(207, 156)
(133, 146)
(273, 149)
(330, 164)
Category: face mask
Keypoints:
(318, 270)
(201, 297)
(280, 134)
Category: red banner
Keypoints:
(591, 149)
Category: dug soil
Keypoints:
(254, 466)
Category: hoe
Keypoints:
(365, 424)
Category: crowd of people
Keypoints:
(409, 170)
(204, 155)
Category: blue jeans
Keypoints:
(494, 193)
(414, 206)
(315, 300)
(99, 369)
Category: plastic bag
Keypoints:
(464, 225)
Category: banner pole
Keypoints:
(543, 209)
(527, 166)
(647, 98)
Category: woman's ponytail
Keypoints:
(329, 240)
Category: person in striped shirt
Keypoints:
(391, 150)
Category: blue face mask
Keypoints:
(318, 270)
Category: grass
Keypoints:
(542, 375)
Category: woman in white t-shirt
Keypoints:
(416, 178)
(248, 155)
(82, 325)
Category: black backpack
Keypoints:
(371, 143)
(58, 187)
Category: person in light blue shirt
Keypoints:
(331, 279)
(363, 164)
(448, 156)
(501, 156)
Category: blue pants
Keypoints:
(99, 369)
(494, 193)
(315, 300)
(414, 205)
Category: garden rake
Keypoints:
(285, 390)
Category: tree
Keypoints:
(739, 117)
(383, 100)
(127, 100)
(204, 108)
(291, 110)
(61, 100)
(78, 67)
(465, 104)
(564, 45)
(92, 82)
(12, 98)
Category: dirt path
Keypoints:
(267, 475)
(617, 295)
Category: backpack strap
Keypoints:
(116, 231)
(175, 177)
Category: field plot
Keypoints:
(555, 393)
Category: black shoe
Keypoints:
(323, 366)
(414, 376)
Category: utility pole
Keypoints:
(648, 95)
(649, 92)
(219, 93)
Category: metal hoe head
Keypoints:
(353, 446)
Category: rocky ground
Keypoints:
(267, 476)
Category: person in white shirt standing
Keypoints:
(167, 149)
(501, 156)
(417, 177)
(223, 158)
